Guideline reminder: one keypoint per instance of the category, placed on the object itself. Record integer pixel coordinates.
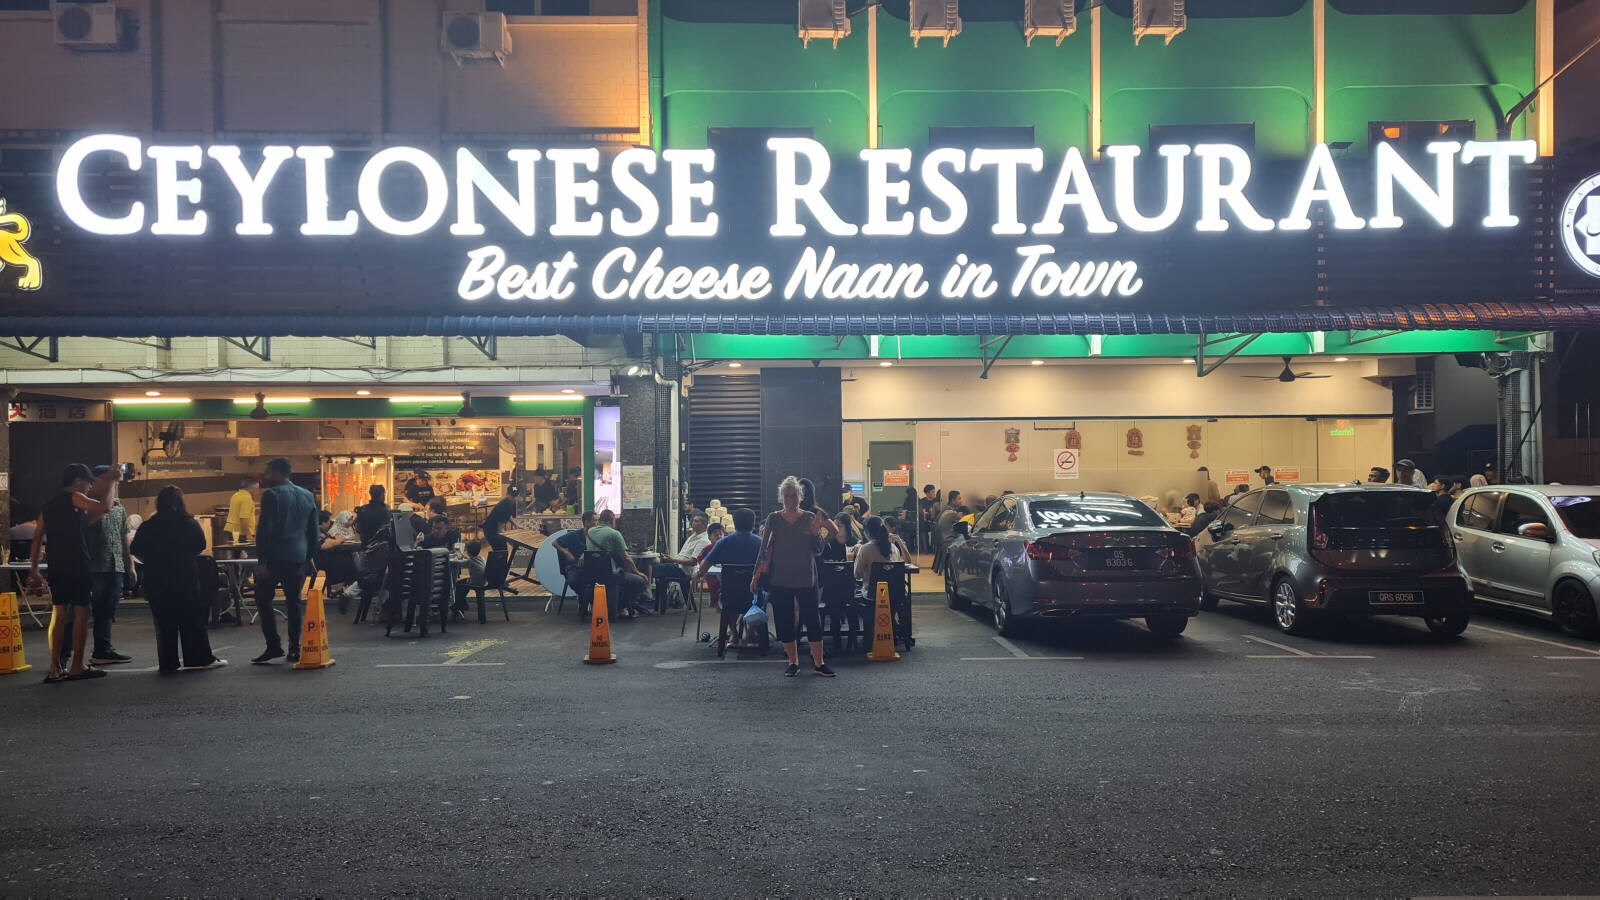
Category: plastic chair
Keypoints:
(495, 572)
(838, 599)
(595, 569)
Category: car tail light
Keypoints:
(1182, 551)
(1049, 552)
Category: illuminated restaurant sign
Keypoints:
(567, 226)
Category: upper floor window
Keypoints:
(964, 137)
(1414, 137)
(1239, 134)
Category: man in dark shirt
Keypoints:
(499, 517)
(62, 523)
(372, 515)
(419, 489)
(571, 544)
(545, 489)
(287, 537)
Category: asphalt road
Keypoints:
(1371, 760)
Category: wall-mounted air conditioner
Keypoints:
(88, 26)
(934, 19)
(823, 20)
(475, 35)
(1049, 18)
(1158, 17)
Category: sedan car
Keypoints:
(1050, 556)
(1533, 547)
(1305, 550)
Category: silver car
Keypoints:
(1311, 550)
(1535, 548)
(1080, 555)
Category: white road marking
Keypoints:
(456, 656)
(685, 663)
(1294, 653)
(1011, 648)
(1014, 658)
(1569, 657)
(1537, 640)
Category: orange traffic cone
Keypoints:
(883, 628)
(11, 659)
(600, 630)
(314, 652)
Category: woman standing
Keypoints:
(168, 545)
(791, 540)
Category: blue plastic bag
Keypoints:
(755, 616)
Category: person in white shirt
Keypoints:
(675, 569)
(1191, 508)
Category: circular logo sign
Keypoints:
(1580, 225)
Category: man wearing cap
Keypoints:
(286, 537)
(63, 523)
(1406, 472)
(1266, 476)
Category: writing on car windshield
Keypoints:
(1580, 513)
(1098, 513)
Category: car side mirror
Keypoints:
(963, 529)
(1535, 530)
(1218, 529)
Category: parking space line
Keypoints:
(1015, 658)
(1591, 653)
(1284, 647)
(1293, 653)
(1011, 648)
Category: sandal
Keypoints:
(54, 679)
(88, 674)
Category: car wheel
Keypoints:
(1448, 626)
(1208, 601)
(1167, 625)
(1288, 613)
(951, 594)
(1574, 609)
(1004, 625)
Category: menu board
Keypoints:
(453, 447)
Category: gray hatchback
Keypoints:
(1311, 549)
(1534, 547)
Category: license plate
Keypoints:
(1394, 598)
(1121, 559)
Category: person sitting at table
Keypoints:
(742, 548)
(336, 556)
(715, 532)
(609, 541)
(837, 547)
(473, 571)
(880, 547)
(439, 535)
(893, 526)
(672, 569)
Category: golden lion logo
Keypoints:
(11, 252)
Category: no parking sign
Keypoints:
(1066, 464)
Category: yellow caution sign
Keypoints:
(314, 653)
(600, 630)
(11, 659)
(883, 628)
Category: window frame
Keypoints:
(1289, 510)
(1003, 507)
(1505, 508)
(1239, 507)
(1494, 498)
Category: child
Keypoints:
(473, 569)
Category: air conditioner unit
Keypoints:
(475, 35)
(1158, 17)
(934, 18)
(823, 20)
(1050, 18)
(87, 26)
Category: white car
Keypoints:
(1535, 548)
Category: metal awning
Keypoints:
(1531, 316)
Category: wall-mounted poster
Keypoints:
(638, 487)
(452, 447)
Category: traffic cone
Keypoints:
(883, 628)
(11, 659)
(314, 652)
(600, 630)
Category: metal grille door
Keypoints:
(725, 441)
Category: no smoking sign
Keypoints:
(1066, 464)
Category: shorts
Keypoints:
(70, 588)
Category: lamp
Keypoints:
(260, 412)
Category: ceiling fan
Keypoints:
(1287, 375)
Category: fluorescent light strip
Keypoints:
(534, 398)
(441, 398)
(150, 401)
(251, 401)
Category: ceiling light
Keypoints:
(568, 391)
(246, 401)
(149, 401)
(431, 398)
(735, 365)
(363, 393)
(632, 371)
(1036, 362)
(536, 398)
(886, 364)
(152, 393)
(1188, 362)
(1341, 359)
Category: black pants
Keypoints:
(291, 579)
(668, 574)
(789, 604)
(180, 621)
(464, 590)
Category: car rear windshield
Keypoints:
(1093, 513)
(1378, 509)
(1580, 513)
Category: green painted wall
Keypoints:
(1219, 71)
